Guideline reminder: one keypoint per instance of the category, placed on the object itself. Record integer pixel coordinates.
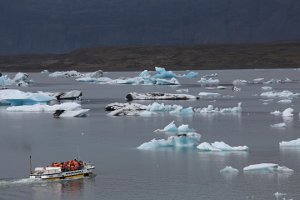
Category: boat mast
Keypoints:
(30, 164)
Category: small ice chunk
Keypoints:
(279, 125)
(183, 90)
(267, 167)
(286, 94)
(288, 112)
(209, 94)
(45, 71)
(171, 127)
(292, 143)
(229, 169)
(258, 80)
(284, 101)
(209, 81)
(279, 195)
(266, 88)
(276, 112)
(220, 146)
(239, 82)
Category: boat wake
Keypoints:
(17, 182)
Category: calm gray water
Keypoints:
(123, 172)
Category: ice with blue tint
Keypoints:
(172, 128)
(188, 140)
(267, 167)
(191, 74)
(220, 146)
(292, 143)
(163, 73)
(17, 97)
(183, 111)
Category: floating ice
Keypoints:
(209, 81)
(172, 128)
(17, 97)
(211, 109)
(178, 141)
(209, 94)
(45, 71)
(71, 113)
(258, 80)
(133, 106)
(44, 107)
(66, 74)
(288, 112)
(158, 96)
(183, 90)
(69, 95)
(266, 88)
(285, 101)
(220, 146)
(284, 94)
(163, 73)
(191, 74)
(279, 125)
(229, 169)
(157, 107)
(279, 195)
(172, 81)
(292, 143)
(21, 79)
(182, 111)
(101, 80)
(276, 112)
(267, 167)
(239, 82)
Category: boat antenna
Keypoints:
(30, 165)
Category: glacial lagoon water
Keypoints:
(124, 172)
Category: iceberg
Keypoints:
(70, 95)
(101, 80)
(188, 140)
(285, 101)
(279, 125)
(292, 143)
(117, 106)
(22, 79)
(65, 74)
(209, 94)
(284, 94)
(191, 74)
(276, 112)
(182, 111)
(45, 71)
(279, 195)
(258, 80)
(239, 82)
(220, 146)
(16, 97)
(44, 107)
(229, 169)
(208, 81)
(288, 112)
(267, 167)
(158, 96)
(172, 81)
(266, 88)
(71, 113)
(172, 128)
(211, 109)
(163, 73)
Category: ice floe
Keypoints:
(209, 94)
(76, 74)
(158, 96)
(172, 128)
(16, 97)
(279, 195)
(292, 143)
(211, 109)
(279, 125)
(220, 146)
(208, 81)
(188, 140)
(239, 82)
(69, 95)
(132, 106)
(284, 101)
(229, 169)
(286, 94)
(266, 88)
(267, 167)
(68, 109)
(21, 79)
(276, 112)
(183, 90)
(288, 112)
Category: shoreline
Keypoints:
(138, 58)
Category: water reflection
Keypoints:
(67, 189)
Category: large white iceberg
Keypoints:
(220, 146)
(17, 97)
(21, 79)
(288, 112)
(178, 141)
(44, 107)
(292, 143)
(267, 167)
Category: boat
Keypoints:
(72, 169)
